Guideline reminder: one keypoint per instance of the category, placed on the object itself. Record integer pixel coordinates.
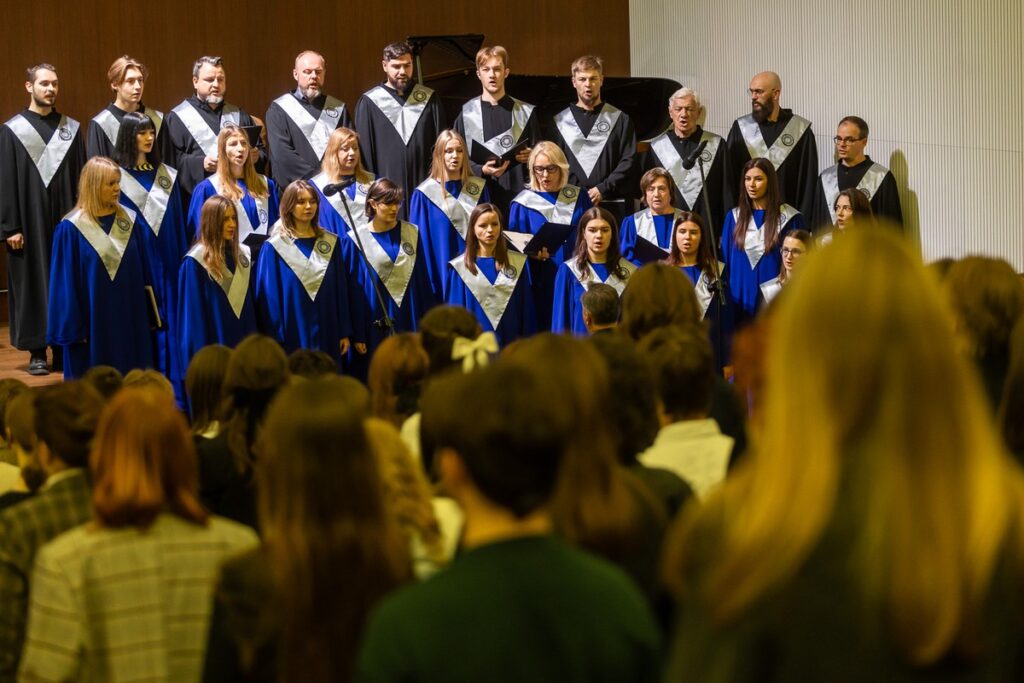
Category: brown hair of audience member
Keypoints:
(65, 421)
(438, 170)
(20, 432)
(229, 186)
(772, 226)
(382, 191)
(1011, 407)
(148, 378)
(10, 389)
(613, 257)
(874, 386)
(143, 461)
(204, 385)
(311, 364)
(290, 199)
(406, 489)
(683, 366)
(705, 250)
(438, 330)
(397, 370)
(332, 547)
(473, 242)
(657, 295)
(105, 379)
(257, 370)
(632, 394)
(988, 300)
(600, 304)
(211, 235)
(339, 138)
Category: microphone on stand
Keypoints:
(335, 188)
(690, 160)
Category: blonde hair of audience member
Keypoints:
(342, 139)
(555, 157)
(870, 412)
(396, 375)
(438, 330)
(289, 200)
(257, 370)
(408, 495)
(438, 168)
(229, 186)
(139, 378)
(657, 295)
(332, 547)
(204, 385)
(98, 172)
(216, 210)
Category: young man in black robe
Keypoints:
(41, 156)
(776, 134)
(190, 141)
(598, 139)
(670, 149)
(127, 77)
(300, 122)
(398, 122)
(855, 169)
(499, 122)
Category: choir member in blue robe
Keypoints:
(752, 236)
(98, 308)
(127, 77)
(302, 296)
(149, 188)
(254, 195)
(693, 253)
(794, 246)
(491, 281)
(343, 164)
(548, 199)
(393, 267)
(654, 223)
(440, 207)
(216, 302)
(596, 258)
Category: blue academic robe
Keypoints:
(442, 241)
(98, 320)
(628, 237)
(567, 311)
(524, 219)
(367, 315)
(333, 220)
(720, 326)
(206, 189)
(285, 310)
(744, 281)
(205, 315)
(518, 320)
(164, 248)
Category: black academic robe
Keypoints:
(293, 156)
(383, 151)
(613, 174)
(717, 172)
(97, 144)
(30, 207)
(497, 118)
(181, 151)
(885, 203)
(798, 174)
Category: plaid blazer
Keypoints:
(24, 528)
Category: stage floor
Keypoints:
(14, 363)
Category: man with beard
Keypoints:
(127, 77)
(498, 122)
(672, 147)
(599, 141)
(300, 122)
(855, 169)
(398, 123)
(41, 156)
(778, 135)
(190, 142)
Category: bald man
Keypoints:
(779, 135)
(299, 122)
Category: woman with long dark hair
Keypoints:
(595, 258)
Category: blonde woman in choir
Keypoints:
(342, 164)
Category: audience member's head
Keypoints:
(104, 379)
(9, 389)
(143, 461)
(632, 406)
(438, 331)
(600, 307)
(20, 427)
(65, 422)
(204, 384)
(1011, 408)
(658, 295)
(397, 370)
(311, 364)
(684, 371)
(139, 378)
(257, 370)
(332, 548)
(988, 299)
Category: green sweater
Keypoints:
(530, 609)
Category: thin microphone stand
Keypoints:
(388, 324)
(717, 284)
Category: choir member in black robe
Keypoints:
(398, 122)
(499, 122)
(670, 149)
(41, 156)
(127, 77)
(190, 141)
(855, 170)
(598, 140)
(778, 135)
(300, 122)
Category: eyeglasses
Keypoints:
(786, 251)
(545, 170)
(845, 141)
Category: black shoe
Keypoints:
(37, 366)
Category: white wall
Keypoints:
(940, 82)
